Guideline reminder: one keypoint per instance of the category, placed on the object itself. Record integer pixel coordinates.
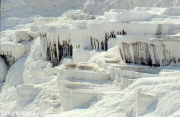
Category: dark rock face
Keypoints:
(141, 53)
(103, 45)
(144, 54)
(95, 43)
(112, 34)
(55, 52)
(107, 36)
(159, 28)
(9, 60)
(127, 55)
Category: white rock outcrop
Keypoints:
(55, 43)
(149, 50)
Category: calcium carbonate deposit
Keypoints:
(90, 58)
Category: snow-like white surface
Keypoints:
(65, 57)
(79, 38)
(14, 76)
(112, 42)
(73, 99)
(80, 55)
(135, 99)
(25, 94)
(80, 74)
(12, 51)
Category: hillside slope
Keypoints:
(15, 11)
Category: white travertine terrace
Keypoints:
(101, 34)
(74, 73)
(127, 16)
(26, 35)
(56, 43)
(12, 52)
(21, 36)
(149, 50)
(79, 38)
(125, 75)
(82, 59)
(25, 94)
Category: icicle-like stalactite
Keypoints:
(11, 52)
(56, 43)
(95, 44)
(112, 34)
(128, 57)
(149, 50)
(96, 31)
(106, 41)
(103, 45)
(7, 59)
(141, 53)
(99, 44)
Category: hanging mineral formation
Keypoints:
(149, 50)
(56, 43)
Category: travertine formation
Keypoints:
(149, 50)
(56, 43)
(89, 55)
(59, 41)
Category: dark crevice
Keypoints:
(95, 44)
(7, 61)
(102, 45)
(55, 52)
